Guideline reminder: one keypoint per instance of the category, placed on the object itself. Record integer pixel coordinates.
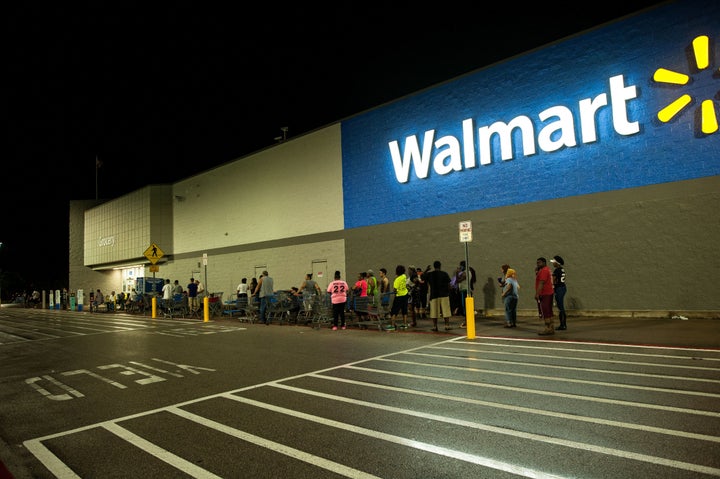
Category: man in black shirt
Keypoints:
(438, 282)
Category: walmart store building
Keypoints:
(603, 148)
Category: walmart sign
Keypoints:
(633, 104)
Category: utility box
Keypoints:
(149, 285)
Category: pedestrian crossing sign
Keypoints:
(153, 253)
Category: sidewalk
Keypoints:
(688, 333)
(697, 333)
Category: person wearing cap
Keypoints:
(558, 276)
(544, 296)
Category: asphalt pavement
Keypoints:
(68, 377)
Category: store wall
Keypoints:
(290, 190)
(122, 229)
(559, 151)
(574, 118)
(648, 250)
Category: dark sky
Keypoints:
(191, 86)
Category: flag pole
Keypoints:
(97, 166)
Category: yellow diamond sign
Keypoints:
(153, 253)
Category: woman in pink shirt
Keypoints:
(338, 290)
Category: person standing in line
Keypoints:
(544, 296)
(308, 290)
(373, 290)
(510, 296)
(455, 293)
(560, 288)
(167, 295)
(438, 282)
(97, 300)
(501, 279)
(400, 303)
(264, 290)
(466, 278)
(110, 301)
(192, 289)
(360, 287)
(421, 298)
(177, 288)
(384, 288)
(253, 286)
(242, 289)
(359, 297)
(338, 290)
(413, 294)
(466, 284)
(384, 281)
(200, 289)
(121, 300)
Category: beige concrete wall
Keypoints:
(291, 190)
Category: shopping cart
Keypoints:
(252, 309)
(322, 311)
(236, 307)
(309, 308)
(178, 307)
(374, 311)
(281, 305)
(360, 307)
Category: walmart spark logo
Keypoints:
(708, 116)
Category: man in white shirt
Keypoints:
(167, 294)
(201, 289)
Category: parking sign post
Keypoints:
(465, 228)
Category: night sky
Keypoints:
(160, 94)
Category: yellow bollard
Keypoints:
(154, 307)
(470, 317)
(206, 309)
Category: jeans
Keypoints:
(264, 306)
(560, 298)
(463, 295)
(511, 303)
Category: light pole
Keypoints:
(1, 278)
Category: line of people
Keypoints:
(550, 286)
(416, 291)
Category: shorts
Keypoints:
(400, 305)
(440, 307)
(545, 306)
